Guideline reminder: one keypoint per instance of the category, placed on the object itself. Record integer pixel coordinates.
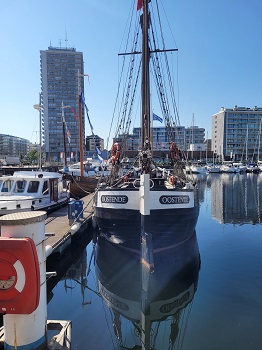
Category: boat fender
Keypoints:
(172, 180)
(75, 228)
(48, 250)
(115, 152)
(94, 223)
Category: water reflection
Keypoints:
(235, 198)
(71, 268)
(149, 308)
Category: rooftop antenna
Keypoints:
(66, 40)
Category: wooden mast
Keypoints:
(64, 137)
(81, 153)
(145, 126)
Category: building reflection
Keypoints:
(236, 198)
(149, 306)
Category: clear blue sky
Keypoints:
(219, 57)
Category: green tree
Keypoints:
(32, 156)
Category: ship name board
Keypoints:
(114, 199)
(117, 303)
(167, 308)
(174, 199)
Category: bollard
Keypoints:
(27, 331)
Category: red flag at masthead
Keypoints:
(139, 4)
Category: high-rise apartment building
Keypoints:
(61, 82)
(236, 133)
(13, 146)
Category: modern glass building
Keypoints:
(61, 82)
(236, 133)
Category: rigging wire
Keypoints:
(121, 74)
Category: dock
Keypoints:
(60, 230)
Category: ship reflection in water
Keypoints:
(150, 307)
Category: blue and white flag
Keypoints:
(98, 151)
(100, 159)
(82, 99)
(156, 117)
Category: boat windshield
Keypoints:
(20, 186)
(45, 189)
(7, 185)
(33, 187)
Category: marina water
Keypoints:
(223, 309)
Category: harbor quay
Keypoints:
(27, 241)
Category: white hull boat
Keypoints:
(29, 190)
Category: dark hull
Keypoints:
(119, 274)
(168, 227)
(81, 186)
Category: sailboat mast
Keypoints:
(81, 153)
(64, 138)
(145, 126)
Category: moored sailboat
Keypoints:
(81, 182)
(160, 204)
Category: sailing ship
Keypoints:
(81, 183)
(147, 198)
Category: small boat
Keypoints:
(196, 169)
(213, 169)
(32, 190)
(242, 168)
(229, 168)
(252, 168)
(81, 181)
(146, 202)
(80, 186)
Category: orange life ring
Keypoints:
(20, 276)
(115, 152)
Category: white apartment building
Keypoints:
(236, 133)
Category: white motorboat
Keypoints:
(196, 169)
(242, 168)
(32, 190)
(213, 169)
(229, 168)
(252, 168)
